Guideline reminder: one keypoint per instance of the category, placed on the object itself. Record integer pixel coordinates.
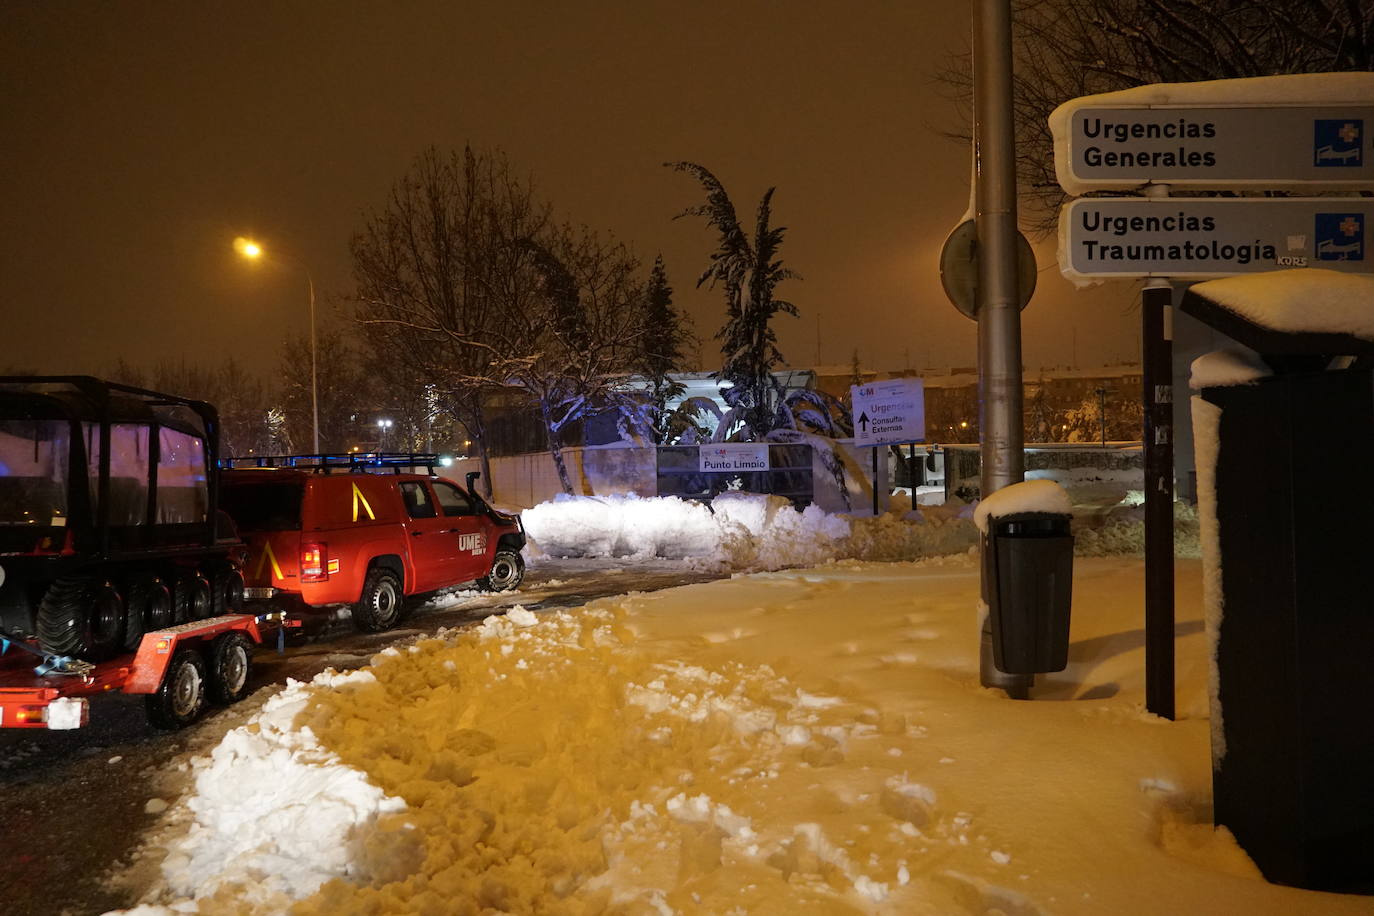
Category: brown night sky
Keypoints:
(140, 138)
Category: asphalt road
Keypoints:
(75, 803)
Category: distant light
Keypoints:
(445, 461)
(384, 423)
(247, 247)
(963, 424)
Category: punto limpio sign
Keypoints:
(723, 457)
(1211, 237)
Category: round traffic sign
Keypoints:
(959, 268)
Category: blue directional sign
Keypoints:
(1340, 237)
(1338, 142)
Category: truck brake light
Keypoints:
(314, 563)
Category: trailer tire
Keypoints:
(81, 617)
(507, 572)
(180, 698)
(231, 667)
(379, 606)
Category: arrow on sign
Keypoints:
(863, 420)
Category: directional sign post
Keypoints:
(890, 412)
(1132, 237)
(1312, 146)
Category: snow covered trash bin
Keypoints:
(1029, 575)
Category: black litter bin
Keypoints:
(1293, 741)
(1029, 590)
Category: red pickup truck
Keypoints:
(369, 540)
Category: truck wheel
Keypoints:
(507, 571)
(134, 622)
(193, 598)
(228, 592)
(231, 666)
(81, 617)
(152, 600)
(180, 698)
(380, 604)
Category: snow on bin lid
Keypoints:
(1028, 496)
(1305, 300)
(1257, 91)
(1224, 368)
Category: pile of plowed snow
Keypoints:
(805, 741)
(742, 530)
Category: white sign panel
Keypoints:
(889, 412)
(723, 457)
(1213, 237)
(1263, 146)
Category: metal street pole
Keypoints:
(314, 366)
(999, 306)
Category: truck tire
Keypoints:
(180, 698)
(379, 607)
(83, 618)
(507, 571)
(231, 667)
(227, 592)
(194, 600)
(151, 599)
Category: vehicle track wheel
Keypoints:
(135, 621)
(507, 572)
(231, 666)
(194, 600)
(81, 617)
(180, 698)
(380, 604)
(228, 592)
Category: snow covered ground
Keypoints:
(809, 740)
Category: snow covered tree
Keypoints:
(1070, 48)
(438, 271)
(748, 271)
(665, 346)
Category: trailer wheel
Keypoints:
(134, 622)
(380, 604)
(81, 617)
(180, 698)
(231, 666)
(507, 571)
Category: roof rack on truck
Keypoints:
(349, 462)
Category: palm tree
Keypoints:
(749, 271)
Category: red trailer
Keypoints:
(179, 669)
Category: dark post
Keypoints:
(1156, 327)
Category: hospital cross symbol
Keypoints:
(1350, 226)
(1349, 132)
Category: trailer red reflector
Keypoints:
(163, 645)
(28, 715)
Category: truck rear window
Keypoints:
(263, 506)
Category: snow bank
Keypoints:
(1224, 368)
(1304, 299)
(739, 530)
(1039, 496)
(803, 741)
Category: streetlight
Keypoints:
(247, 248)
(385, 426)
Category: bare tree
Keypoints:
(438, 270)
(346, 390)
(241, 399)
(1069, 48)
(573, 346)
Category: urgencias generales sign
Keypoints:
(726, 457)
(1113, 148)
